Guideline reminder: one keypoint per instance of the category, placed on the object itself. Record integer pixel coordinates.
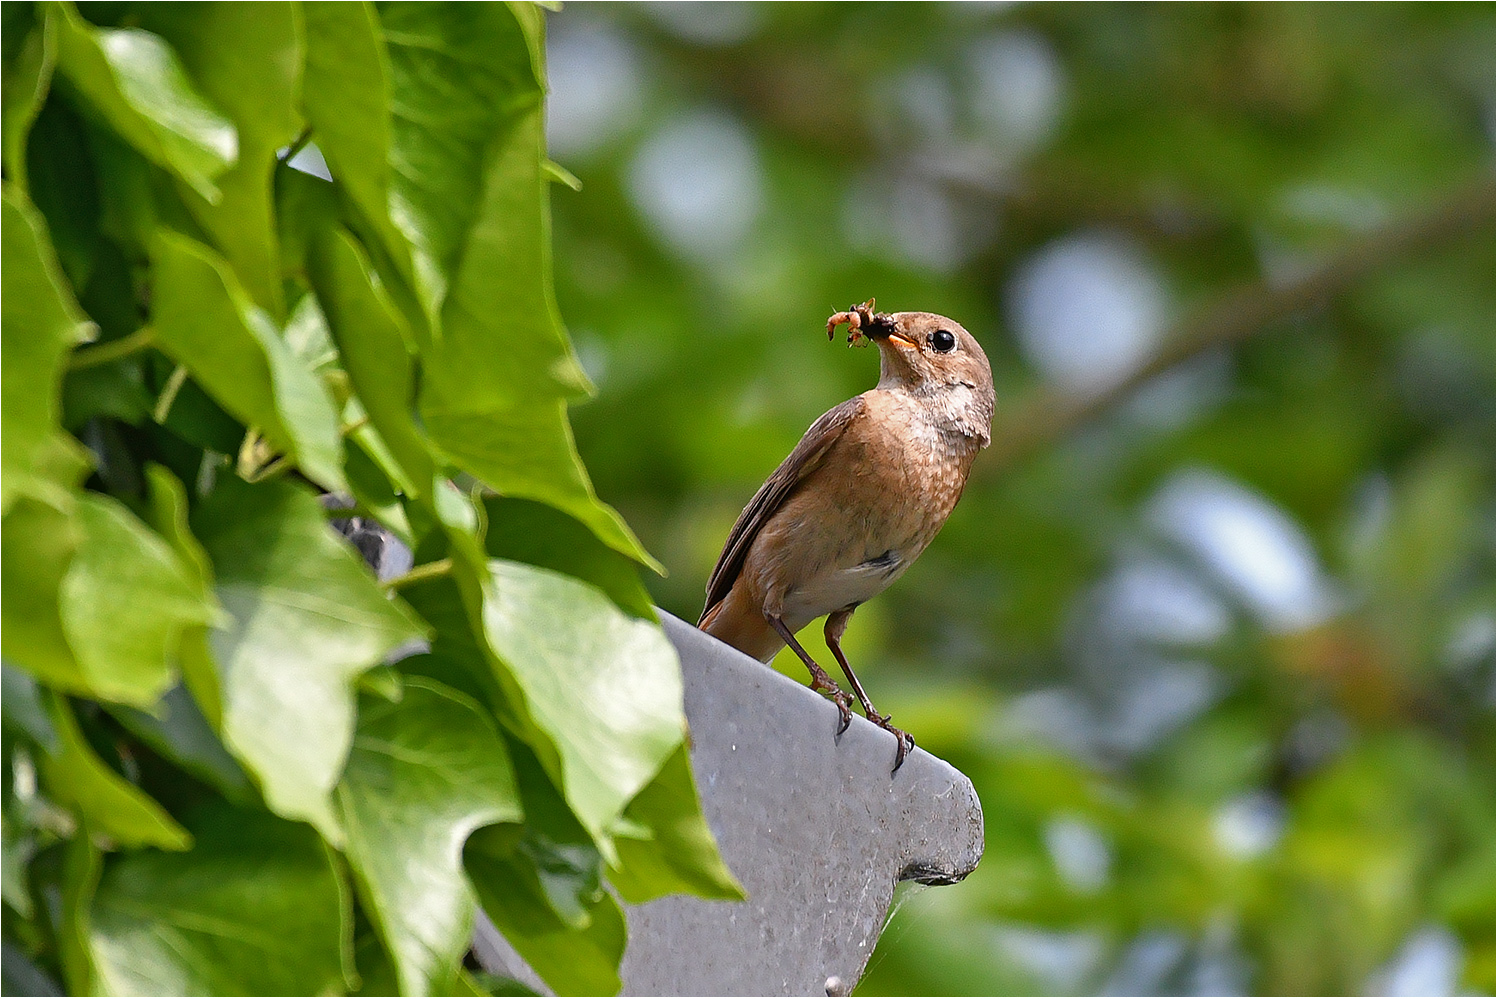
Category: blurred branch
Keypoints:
(1032, 424)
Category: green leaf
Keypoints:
(82, 865)
(257, 907)
(135, 82)
(40, 321)
(94, 603)
(204, 321)
(455, 71)
(247, 58)
(347, 98)
(308, 620)
(681, 855)
(527, 451)
(126, 601)
(27, 81)
(523, 531)
(423, 774)
(606, 689)
(37, 543)
(106, 802)
(373, 346)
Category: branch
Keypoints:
(1048, 415)
(104, 353)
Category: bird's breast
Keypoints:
(863, 517)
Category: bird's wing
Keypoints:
(801, 462)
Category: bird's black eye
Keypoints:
(942, 341)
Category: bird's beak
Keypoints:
(887, 331)
(903, 341)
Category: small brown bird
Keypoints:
(858, 499)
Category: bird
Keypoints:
(857, 500)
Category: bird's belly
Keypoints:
(835, 589)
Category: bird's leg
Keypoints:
(837, 623)
(819, 678)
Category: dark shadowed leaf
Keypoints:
(308, 618)
(179, 732)
(423, 774)
(543, 876)
(347, 98)
(135, 81)
(257, 907)
(579, 962)
(22, 709)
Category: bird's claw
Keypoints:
(904, 741)
(844, 710)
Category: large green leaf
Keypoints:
(527, 451)
(126, 600)
(247, 57)
(37, 543)
(678, 854)
(455, 70)
(347, 98)
(135, 81)
(423, 774)
(27, 80)
(257, 907)
(40, 321)
(94, 602)
(308, 618)
(232, 348)
(103, 800)
(375, 353)
(606, 689)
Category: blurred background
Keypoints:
(1216, 647)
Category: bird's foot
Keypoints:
(824, 684)
(904, 741)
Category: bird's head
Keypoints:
(932, 357)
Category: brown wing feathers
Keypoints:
(801, 462)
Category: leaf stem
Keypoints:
(104, 353)
(420, 574)
(169, 392)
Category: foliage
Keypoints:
(213, 784)
(1191, 781)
